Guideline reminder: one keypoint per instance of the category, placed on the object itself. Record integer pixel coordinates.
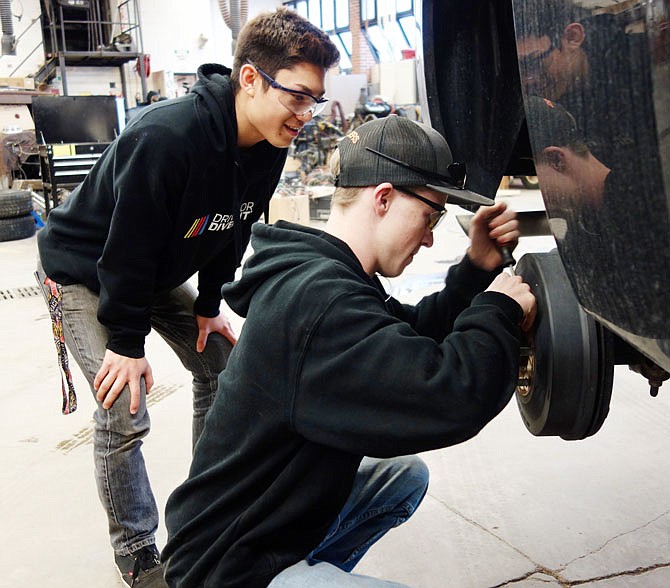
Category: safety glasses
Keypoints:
(299, 103)
(439, 211)
(533, 63)
(456, 171)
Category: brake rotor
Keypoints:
(566, 366)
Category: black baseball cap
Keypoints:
(405, 153)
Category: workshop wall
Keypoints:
(179, 35)
(29, 34)
(191, 34)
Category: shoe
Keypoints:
(142, 568)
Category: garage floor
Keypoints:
(504, 509)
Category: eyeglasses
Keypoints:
(298, 102)
(533, 63)
(435, 217)
(456, 171)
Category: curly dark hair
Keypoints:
(604, 32)
(279, 40)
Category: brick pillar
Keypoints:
(361, 56)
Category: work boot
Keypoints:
(142, 568)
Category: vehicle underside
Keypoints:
(580, 97)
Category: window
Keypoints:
(345, 53)
(315, 11)
(368, 10)
(389, 26)
(347, 41)
(300, 6)
(331, 16)
(409, 28)
(327, 17)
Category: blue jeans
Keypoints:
(386, 492)
(122, 480)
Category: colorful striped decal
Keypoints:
(197, 227)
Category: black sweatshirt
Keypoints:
(172, 196)
(325, 372)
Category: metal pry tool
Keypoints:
(508, 260)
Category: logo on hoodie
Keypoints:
(217, 221)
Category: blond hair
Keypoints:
(343, 195)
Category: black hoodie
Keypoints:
(172, 196)
(326, 371)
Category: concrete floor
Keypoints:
(504, 509)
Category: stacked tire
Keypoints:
(16, 215)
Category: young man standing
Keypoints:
(297, 471)
(176, 194)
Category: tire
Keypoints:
(15, 203)
(566, 377)
(20, 227)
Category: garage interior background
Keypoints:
(174, 37)
(127, 48)
(123, 49)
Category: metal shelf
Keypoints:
(60, 24)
